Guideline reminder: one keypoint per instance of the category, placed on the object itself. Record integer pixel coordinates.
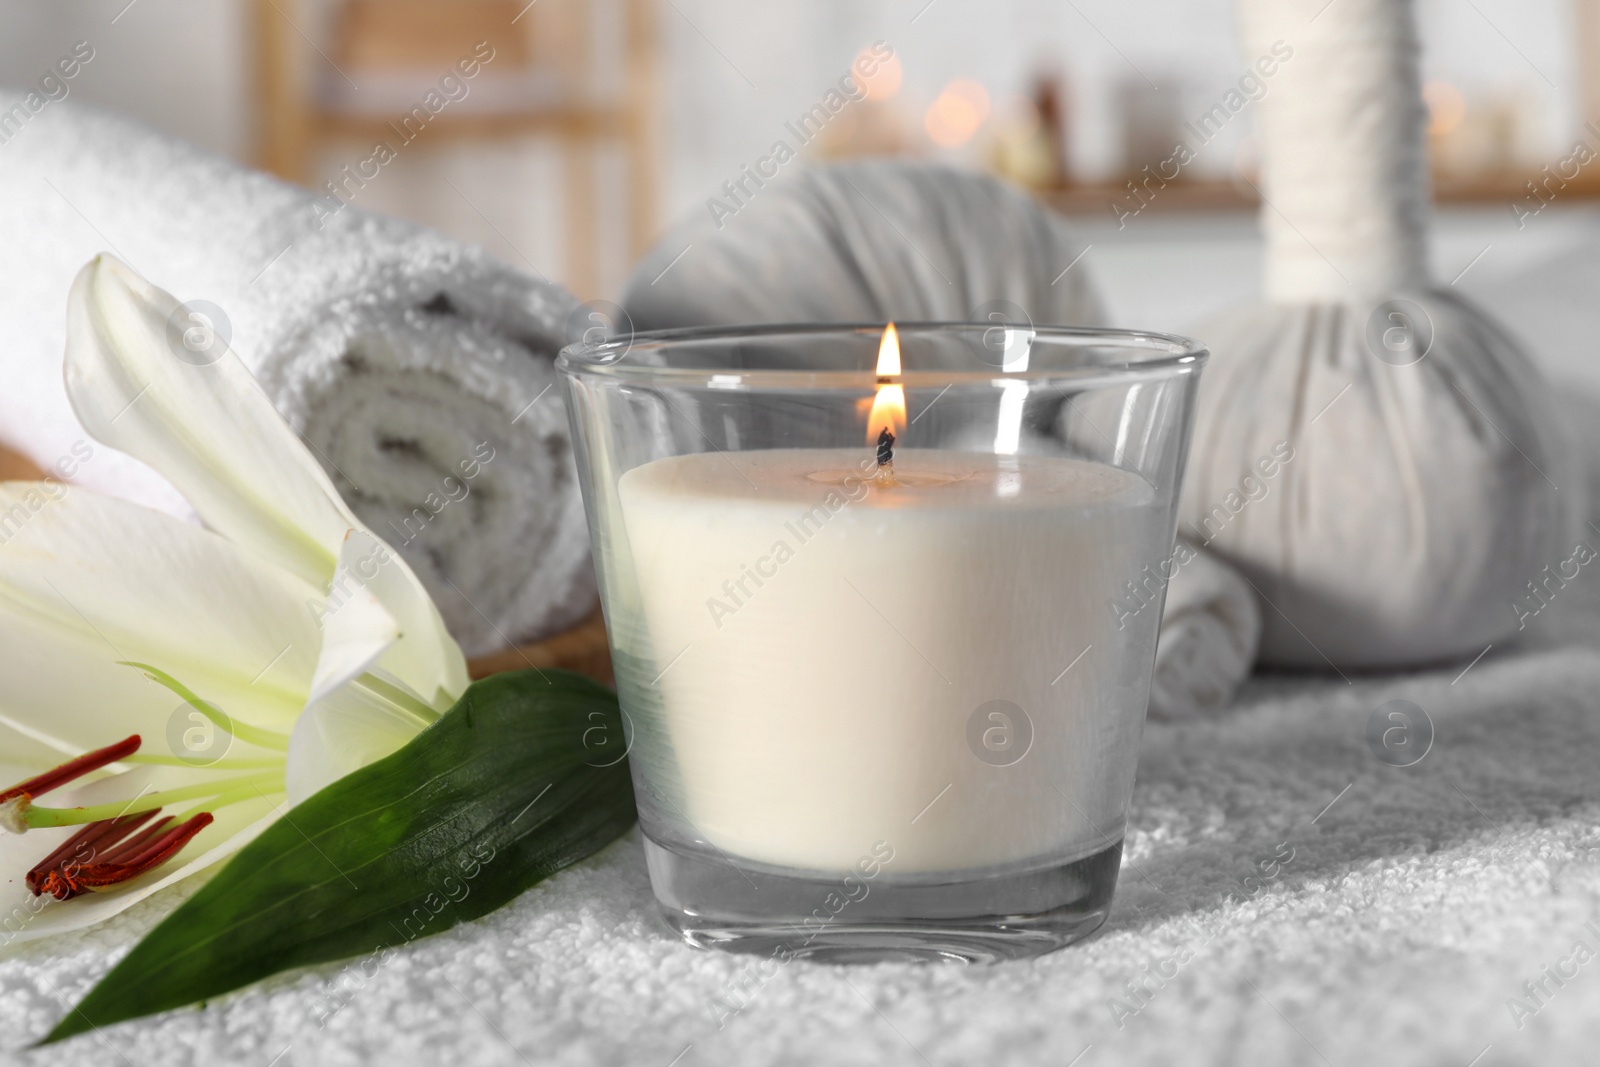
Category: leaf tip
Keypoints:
(71, 1026)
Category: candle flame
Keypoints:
(889, 352)
(889, 406)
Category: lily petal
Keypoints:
(213, 433)
(427, 660)
(343, 732)
(87, 581)
(356, 630)
(201, 421)
(26, 750)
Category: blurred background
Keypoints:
(590, 125)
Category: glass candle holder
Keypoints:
(883, 608)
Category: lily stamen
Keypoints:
(226, 764)
(72, 770)
(71, 874)
(82, 847)
(250, 735)
(237, 787)
(98, 835)
(115, 845)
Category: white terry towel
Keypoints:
(883, 240)
(418, 370)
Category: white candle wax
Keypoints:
(828, 652)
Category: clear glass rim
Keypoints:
(1151, 355)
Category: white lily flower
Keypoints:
(257, 659)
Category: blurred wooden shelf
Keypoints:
(1176, 198)
(549, 63)
(15, 467)
(486, 125)
(1512, 186)
(1185, 196)
(583, 648)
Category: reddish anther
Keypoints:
(72, 769)
(148, 853)
(116, 857)
(87, 845)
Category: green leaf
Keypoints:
(521, 778)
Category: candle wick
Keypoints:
(885, 447)
(885, 457)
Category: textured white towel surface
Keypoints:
(1414, 902)
(418, 370)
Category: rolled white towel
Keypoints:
(1209, 632)
(418, 370)
(888, 240)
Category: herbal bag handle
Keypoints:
(1343, 167)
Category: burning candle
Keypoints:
(871, 627)
(894, 644)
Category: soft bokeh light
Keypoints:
(955, 115)
(1446, 107)
(884, 82)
